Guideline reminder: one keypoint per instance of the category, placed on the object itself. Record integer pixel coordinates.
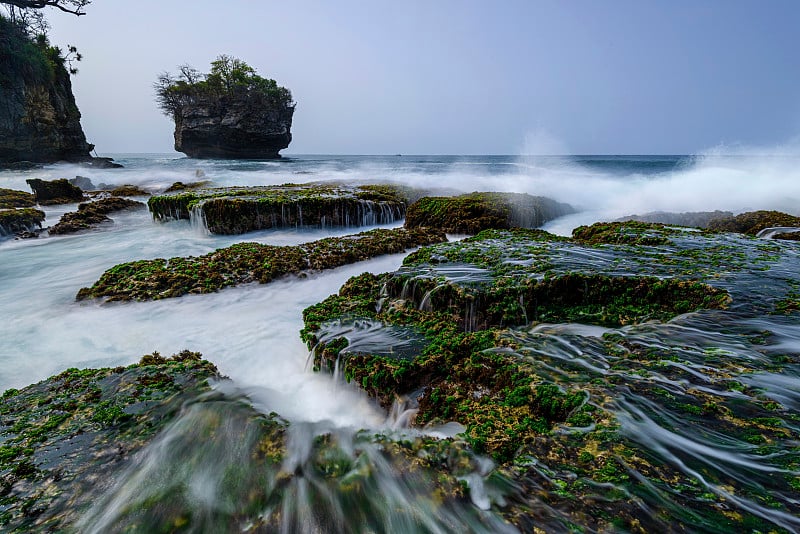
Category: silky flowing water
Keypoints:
(251, 334)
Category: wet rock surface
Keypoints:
(91, 214)
(20, 221)
(471, 213)
(236, 210)
(700, 219)
(48, 192)
(61, 440)
(244, 263)
(753, 222)
(11, 198)
(619, 426)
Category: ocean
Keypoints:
(251, 332)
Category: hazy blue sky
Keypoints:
(459, 77)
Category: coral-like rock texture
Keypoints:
(90, 214)
(473, 212)
(494, 332)
(248, 262)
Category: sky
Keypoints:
(461, 76)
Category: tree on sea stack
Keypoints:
(70, 6)
(231, 112)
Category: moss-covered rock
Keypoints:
(699, 219)
(128, 190)
(236, 210)
(91, 214)
(55, 191)
(60, 437)
(10, 198)
(471, 213)
(14, 221)
(248, 262)
(752, 222)
(631, 412)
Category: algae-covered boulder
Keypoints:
(11, 198)
(90, 214)
(14, 221)
(753, 222)
(62, 438)
(471, 213)
(243, 263)
(236, 210)
(496, 332)
(55, 191)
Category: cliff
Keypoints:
(243, 125)
(39, 120)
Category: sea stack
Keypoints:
(230, 113)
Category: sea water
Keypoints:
(251, 332)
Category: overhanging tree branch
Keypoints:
(69, 6)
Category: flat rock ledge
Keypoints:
(243, 263)
(236, 210)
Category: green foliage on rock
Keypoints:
(229, 77)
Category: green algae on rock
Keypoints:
(631, 413)
(90, 214)
(236, 210)
(59, 437)
(129, 190)
(752, 222)
(14, 221)
(11, 198)
(473, 212)
(248, 262)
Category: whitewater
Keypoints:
(251, 332)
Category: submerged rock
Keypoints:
(236, 210)
(83, 182)
(20, 221)
(471, 213)
(243, 263)
(11, 198)
(180, 186)
(90, 214)
(574, 411)
(59, 191)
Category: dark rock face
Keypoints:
(55, 191)
(243, 126)
(39, 121)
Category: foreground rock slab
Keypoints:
(621, 363)
(243, 263)
(236, 210)
(473, 212)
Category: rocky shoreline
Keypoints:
(489, 333)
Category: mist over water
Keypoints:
(251, 332)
